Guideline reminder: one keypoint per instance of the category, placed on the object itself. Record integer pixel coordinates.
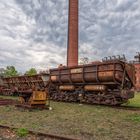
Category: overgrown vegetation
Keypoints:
(134, 118)
(22, 132)
(78, 121)
(74, 120)
(31, 71)
(10, 71)
(134, 102)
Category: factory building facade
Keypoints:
(137, 71)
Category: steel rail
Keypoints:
(47, 135)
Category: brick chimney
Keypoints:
(72, 52)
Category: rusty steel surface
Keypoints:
(137, 69)
(7, 102)
(67, 87)
(25, 83)
(136, 63)
(30, 89)
(93, 73)
(95, 88)
(72, 54)
(107, 82)
(130, 69)
(34, 97)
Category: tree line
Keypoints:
(10, 71)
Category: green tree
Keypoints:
(31, 71)
(11, 71)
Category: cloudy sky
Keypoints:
(33, 33)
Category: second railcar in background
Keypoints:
(19, 84)
(30, 89)
(108, 83)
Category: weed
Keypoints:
(134, 118)
(83, 122)
(22, 132)
(34, 126)
(135, 102)
(8, 108)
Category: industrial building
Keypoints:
(137, 69)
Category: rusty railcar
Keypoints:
(108, 83)
(2, 86)
(30, 89)
(18, 84)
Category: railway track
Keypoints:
(7, 102)
(131, 108)
(122, 107)
(43, 135)
(4, 102)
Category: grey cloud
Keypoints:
(33, 33)
(51, 20)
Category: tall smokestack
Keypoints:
(72, 53)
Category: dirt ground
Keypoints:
(85, 122)
(9, 134)
(6, 134)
